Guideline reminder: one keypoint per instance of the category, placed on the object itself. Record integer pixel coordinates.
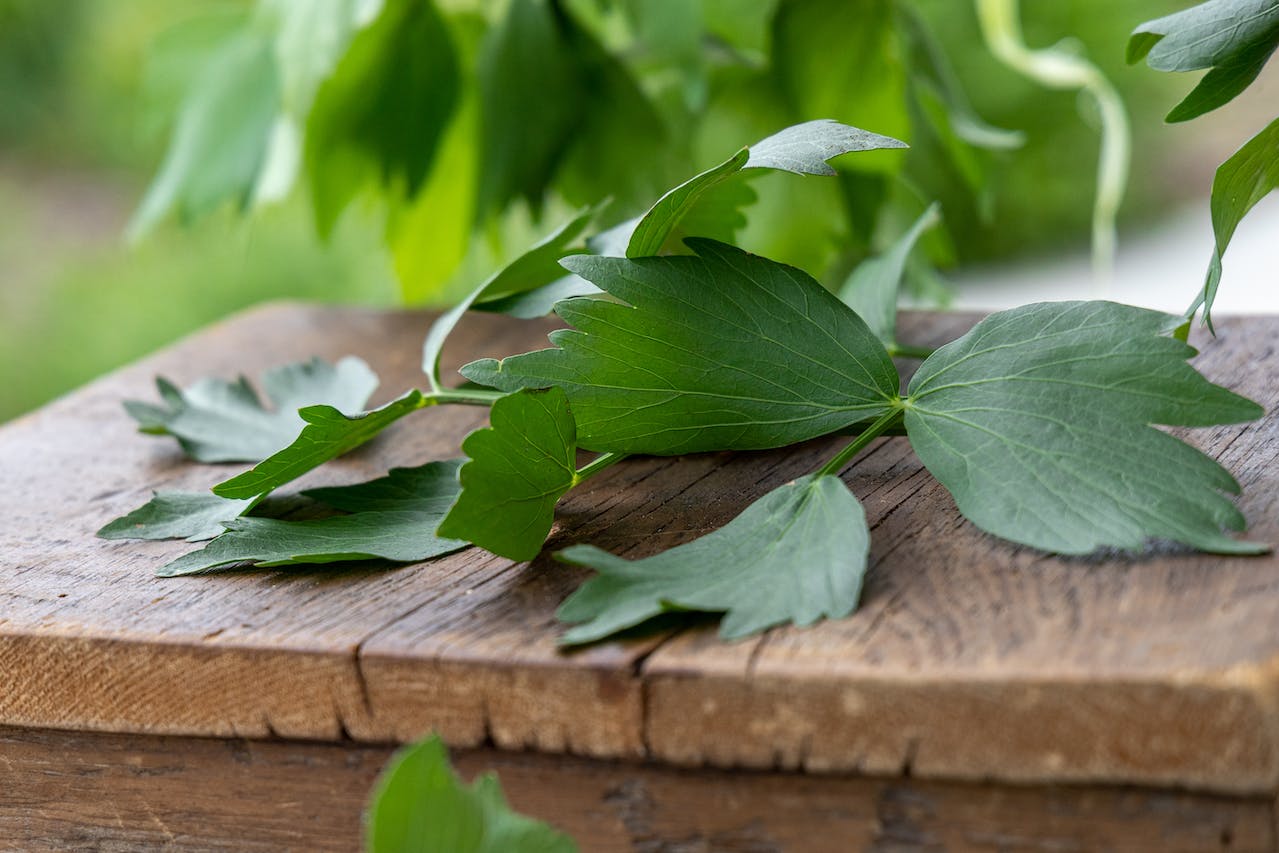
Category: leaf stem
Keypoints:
(843, 457)
(462, 396)
(1060, 68)
(596, 465)
(906, 351)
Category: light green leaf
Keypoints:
(192, 516)
(220, 139)
(310, 39)
(382, 113)
(219, 421)
(802, 149)
(1245, 179)
(518, 470)
(796, 555)
(395, 519)
(871, 290)
(843, 61)
(1038, 421)
(420, 806)
(718, 351)
(1231, 38)
(533, 269)
(327, 435)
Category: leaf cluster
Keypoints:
(497, 112)
(1043, 422)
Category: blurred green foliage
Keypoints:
(85, 116)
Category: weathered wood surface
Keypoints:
(970, 658)
(107, 792)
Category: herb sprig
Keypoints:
(1042, 422)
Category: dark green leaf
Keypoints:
(723, 350)
(218, 421)
(871, 290)
(1231, 38)
(518, 470)
(618, 142)
(1245, 179)
(327, 435)
(220, 139)
(1038, 421)
(797, 555)
(192, 516)
(420, 806)
(535, 268)
(802, 149)
(395, 520)
(382, 113)
(530, 97)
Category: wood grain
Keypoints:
(104, 792)
(970, 658)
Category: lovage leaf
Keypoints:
(1231, 38)
(539, 301)
(797, 555)
(420, 806)
(871, 289)
(382, 113)
(192, 516)
(519, 469)
(219, 141)
(219, 421)
(327, 435)
(395, 519)
(537, 267)
(719, 351)
(802, 149)
(1246, 178)
(523, 58)
(1039, 422)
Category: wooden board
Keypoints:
(78, 791)
(970, 658)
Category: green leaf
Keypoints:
(802, 149)
(310, 39)
(930, 69)
(871, 290)
(382, 113)
(220, 139)
(1231, 38)
(533, 269)
(530, 91)
(192, 516)
(518, 470)
(1038, 421)
(219, 421)
(420, 806)
(618, 142)
(843, 61)
(327, 435)
(718, 351)
(394, 518)
(1245, 179)
(539, 301)
(796, 555)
